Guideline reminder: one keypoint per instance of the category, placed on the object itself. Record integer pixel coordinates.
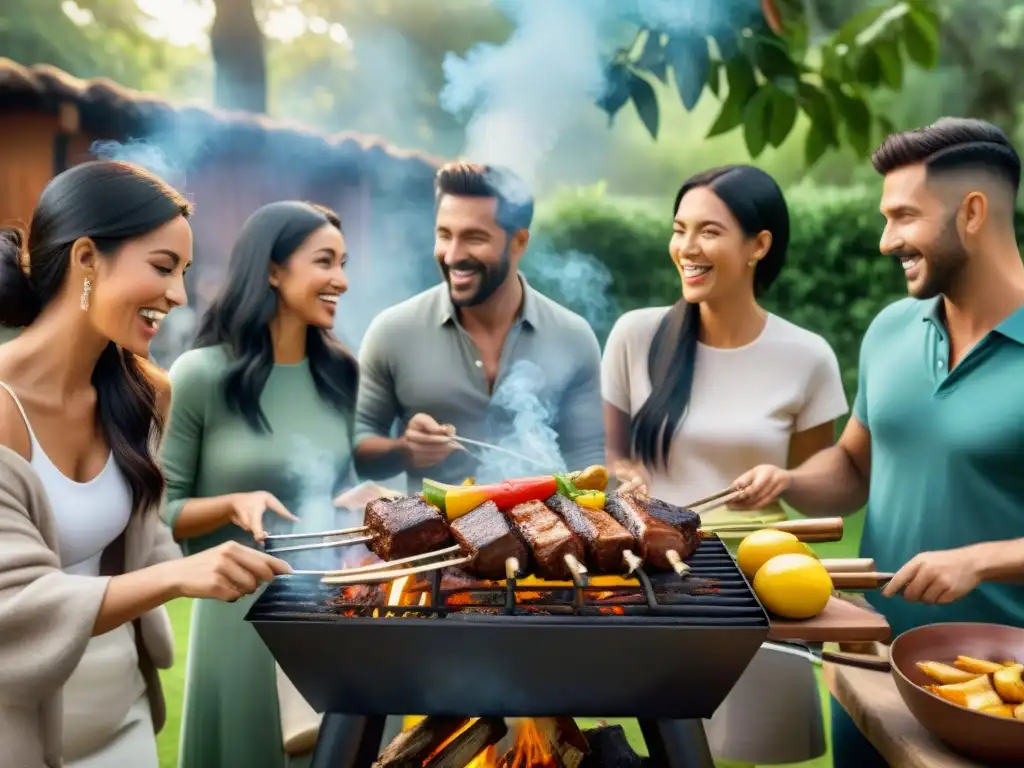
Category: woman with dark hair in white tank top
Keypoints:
(698, 393)
(85, 562)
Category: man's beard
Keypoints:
(491, 279)
(942, 267)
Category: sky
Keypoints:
(187, 22)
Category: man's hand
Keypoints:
(428, 442)
(760, 486)
(937, 578)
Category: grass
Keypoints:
(174, 678)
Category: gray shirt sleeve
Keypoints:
(581, 422)
(376, 402)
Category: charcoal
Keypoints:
(609, 748)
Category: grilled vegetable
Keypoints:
(457, 500)
(593, 478)
(1008, 684)
(974, 694)
(591, 499)
(978, 666)
(945, 674)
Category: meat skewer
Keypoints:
(487, 537)
(605, 541)
(556, 550)
(660, 544)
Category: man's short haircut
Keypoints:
(952, 144)
(515, 203)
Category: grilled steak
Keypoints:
(603, 538)
(403, 527)
(547, 537)
(654, 537)
(486, 535)
(686, 521)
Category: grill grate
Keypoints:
(715, 594)
(664, 649)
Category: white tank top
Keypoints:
(88, 516)
(107, 682)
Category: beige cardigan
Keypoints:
(47, 616)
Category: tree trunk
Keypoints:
(239, 57)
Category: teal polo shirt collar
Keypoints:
(1012, 327)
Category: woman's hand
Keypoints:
(247, 511)
(760, 486)
(226, 572)
(632, 476)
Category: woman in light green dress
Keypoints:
(260, 420)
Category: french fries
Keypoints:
(989, 687)
(977, 666)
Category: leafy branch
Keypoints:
(765, 72)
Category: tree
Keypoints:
(240, 60)
(783, 59)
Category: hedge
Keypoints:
(833, 283)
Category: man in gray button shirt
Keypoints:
(482, 353)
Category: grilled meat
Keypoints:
(486, 535)
(686, 521)
(654, 537)
(405, 526)
(603, 538)
(547, 537)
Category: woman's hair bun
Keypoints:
(19, 303)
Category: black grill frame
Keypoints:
(657, 662)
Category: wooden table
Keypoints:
(874, 703)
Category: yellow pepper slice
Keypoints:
(591, 499)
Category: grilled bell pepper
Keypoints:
(593, 478)
(457, 500)
(591, 499)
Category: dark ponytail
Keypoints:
(757, 203)
(19, 303)
(110, 203)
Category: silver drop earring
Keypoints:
(86, 291)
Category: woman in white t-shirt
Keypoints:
(734, 386)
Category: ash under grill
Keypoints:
(662, 649)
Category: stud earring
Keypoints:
(86, 292)
(752, 263)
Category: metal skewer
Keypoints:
(481, 444)
(732, 489)
(315, 534)
(384, 565)
(385, 576)
(322, 545)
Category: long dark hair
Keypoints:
(239, 317)
(110, 203)
(757, 203)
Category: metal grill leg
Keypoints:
(347, 741)
(677, 743)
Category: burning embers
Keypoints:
(492, 742)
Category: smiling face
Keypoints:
(134, 289)
(710, 250)
(921, 233)
(474, 253)
(310, 282)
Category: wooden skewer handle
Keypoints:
(848, 564)
(868, 580)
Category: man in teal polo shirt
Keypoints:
(936, 443)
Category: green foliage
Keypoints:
(772, 72)
(834, 281)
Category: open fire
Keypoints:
(487, 742)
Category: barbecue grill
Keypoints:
(666, 651)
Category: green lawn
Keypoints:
(174, 678)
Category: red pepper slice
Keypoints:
(512, 493)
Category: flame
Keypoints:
(531, 749)
(486, 759)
